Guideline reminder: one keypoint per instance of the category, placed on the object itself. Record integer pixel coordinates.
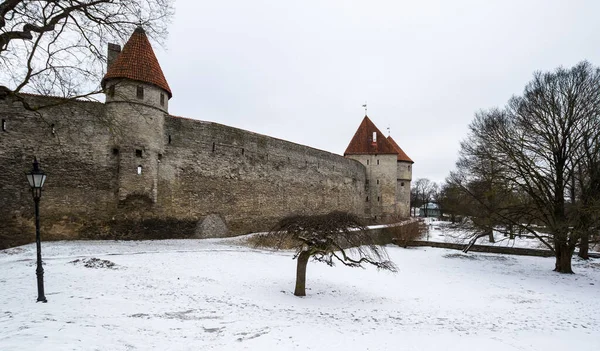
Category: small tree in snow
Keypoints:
(337, 236)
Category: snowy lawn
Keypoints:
(442, 231)
(218, 295)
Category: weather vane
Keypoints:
(365, 107)
(389, 131)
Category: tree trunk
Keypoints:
(564, 253)
(491, 236)
(584, 248)
(301, 273)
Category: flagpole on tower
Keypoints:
(365, 107)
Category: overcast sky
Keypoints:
(301, 70)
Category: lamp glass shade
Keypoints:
(36, 177)
(30, 179)
(39, 179)
(36, 180)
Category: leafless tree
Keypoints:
(422, 192)
(539, 143)
(337, 236)
(57, 47)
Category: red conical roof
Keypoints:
(362, 142)
(402, 156)
(138, 62)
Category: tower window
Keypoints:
(367, 162)
(401, 183)
(4, 125)
(115, 151)
(377, 198)
(140, 92)
(366, 182)
(374, 137)
(169, 138)
(111, 90)
(159, 157)
(214, 147)
(377, 181)
(377, 161)
(52, 129)
(138, 153)
(139, 170)
(367, 199)
(162, 99)
(409, 167)
(243, 151)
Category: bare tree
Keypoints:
(422, 192)
(452, 200)
(56, 47)
(337, 236)
(538, 142)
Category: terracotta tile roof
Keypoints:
(138, 62)
(402, 156)
(362, 142)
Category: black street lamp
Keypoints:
(36, 179)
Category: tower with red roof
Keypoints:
(137, 100)
(388, 171)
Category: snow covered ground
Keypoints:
(441, 231)
(220, 295)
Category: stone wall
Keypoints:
(207, 179)
(382, 183)
(250, 180)
(72, 143)
(404, 177)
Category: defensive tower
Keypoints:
(137, 101)
(388, 171)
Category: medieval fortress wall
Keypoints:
(126, 169)
(193, 171)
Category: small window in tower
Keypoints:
(401, 183)
(159, 157)
(214, 147)
(169, 138)
(243, 151)
(366, 182)
(367, 199)
(140, 92)
(377, 198)
(367, 162)
(409, 167)
(377, 181)
(374, 137)
(111, 90)
(138, 153)
(378, 162)
(139, 170)
(162, 99)
(52, 129)
(115, 151)
(4, 125)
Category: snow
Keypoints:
(442, 231)
(218, 294)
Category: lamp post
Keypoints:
(36, 178)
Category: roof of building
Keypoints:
(138, 62)
(402, 156)
(362, 142)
